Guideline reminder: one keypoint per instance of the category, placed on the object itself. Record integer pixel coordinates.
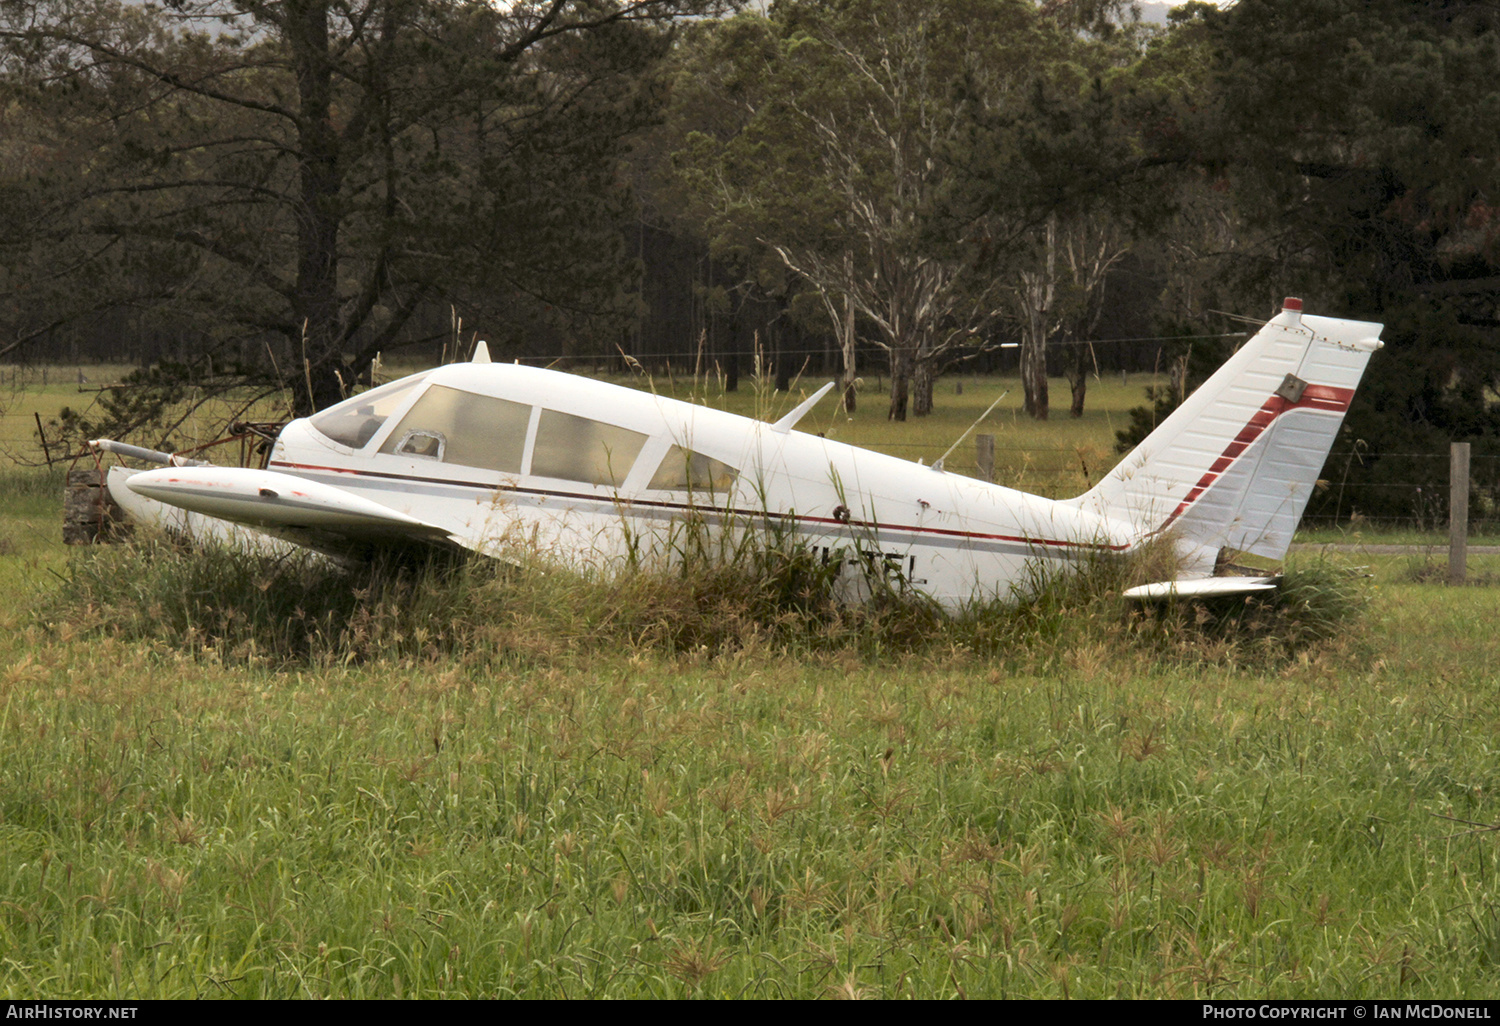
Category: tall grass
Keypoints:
(30, 483)
(223, 776)
(714, 592)
(1317, 601)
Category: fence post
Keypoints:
(1458, 511)
(90, 515)
(984, 456)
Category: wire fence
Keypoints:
(711, 359)
(1416, 499)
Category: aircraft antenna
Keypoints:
(788, 422)
(938, 464)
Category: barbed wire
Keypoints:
(872, 348)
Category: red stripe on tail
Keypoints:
(1324, 398)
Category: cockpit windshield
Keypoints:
(354, 422)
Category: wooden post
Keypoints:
(90, 516)
(43, 436)
(984, 456)
(1458, 511)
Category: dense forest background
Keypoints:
(244, 194)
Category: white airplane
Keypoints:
(483, 455)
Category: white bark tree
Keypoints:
(850, 112)
(1059, 298)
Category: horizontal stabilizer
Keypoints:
(1202, 587)
(274, 501)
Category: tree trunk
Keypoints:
(316, 303)
(900, 382)
(922, 381)
(1038, 289)
(1034, 374)
(731, 355)
(786, 363)
(322, 385)
(1078, 379)
(846, 341)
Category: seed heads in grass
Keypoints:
(1429, 565)
(849, 989)
(695, 961)
(714, 594)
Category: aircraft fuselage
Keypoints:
(952, 536)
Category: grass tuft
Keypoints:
(247, 607)
(1316, 603)
(760, 591)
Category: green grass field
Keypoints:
(502, 787)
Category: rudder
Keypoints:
(1234, 466)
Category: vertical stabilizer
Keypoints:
(1234, 465)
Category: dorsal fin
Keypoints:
(788, 422)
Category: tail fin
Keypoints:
(1234, 465)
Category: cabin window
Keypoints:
(427, 445)
(683, 470)
(354, 422)
(579, 449)
(461, 427)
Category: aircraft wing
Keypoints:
(317, 515)
(1202, 587)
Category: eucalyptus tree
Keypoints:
(318, 170)
(1070, 172)
(844, 112)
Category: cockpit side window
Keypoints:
(354, 422)
(683, 470)
(579, 449)
(460, 427)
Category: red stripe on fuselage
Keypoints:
(684, 507)
(1324, 398)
